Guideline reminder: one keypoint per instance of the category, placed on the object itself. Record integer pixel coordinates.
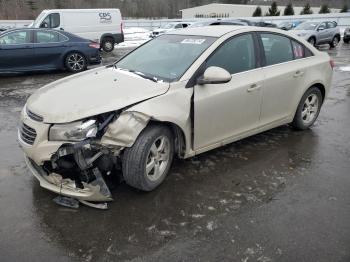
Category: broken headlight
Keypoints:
(75, 132)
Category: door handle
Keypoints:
(298, 73)
(253, 87)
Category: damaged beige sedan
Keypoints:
(181, 94)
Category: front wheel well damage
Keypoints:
(179, 136)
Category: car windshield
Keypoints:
(200, 24)
(39, 18)
(286, 24)
(168, 26)
(307, 26)
(167, 57)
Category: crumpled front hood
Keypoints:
(91, 93)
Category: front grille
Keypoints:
(27, 134)
(34, 116)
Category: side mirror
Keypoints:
(321, 28)
(214, 75)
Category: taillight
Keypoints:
(121, 27)
(94, 45)
(331, 62)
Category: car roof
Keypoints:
(213, 31)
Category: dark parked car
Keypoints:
(29, 49)
(346, 37)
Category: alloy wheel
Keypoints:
(310, 109)
(158, 158)
(76, 62)
(335, 41)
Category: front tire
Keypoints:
(108, 44)
(308, 109)
(147, 162)
(75, 62)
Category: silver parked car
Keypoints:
(317, 33)
(169, 27)
(180, 94)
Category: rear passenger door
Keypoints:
(222, 112)
(330, 31)
(49, 47)
(284, 73)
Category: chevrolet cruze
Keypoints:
(181, 94)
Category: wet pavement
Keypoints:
(281, 195)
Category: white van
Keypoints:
(100, 25)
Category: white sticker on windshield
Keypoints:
(193, 41)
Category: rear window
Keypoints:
(278, 49)
(298, 50)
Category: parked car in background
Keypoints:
(318, 33)
(217, 22)
(29, 49)
(232, 22)
(346, 37)
(180, 94)
(169, 27)
(103, 26)
(289, 25)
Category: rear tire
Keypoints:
(108, 44)
(312, 41)
(335, 42)
(147, 162)
(75, 62)
(308, 109)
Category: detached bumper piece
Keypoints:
(77, 173)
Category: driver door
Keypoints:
(322, 33)
(224, 112)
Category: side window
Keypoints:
(51, 21)
(322, 26)
(16, 38)
(277, 48)
(178, 26)
(330, 25)
(62, 38)
(298, 50)
(47, 37)
(236, 55)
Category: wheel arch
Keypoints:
(321, 87)
(106, 35)
(178, 133)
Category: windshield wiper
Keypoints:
(152, 78)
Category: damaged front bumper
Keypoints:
(79, 169)
(94, 191)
